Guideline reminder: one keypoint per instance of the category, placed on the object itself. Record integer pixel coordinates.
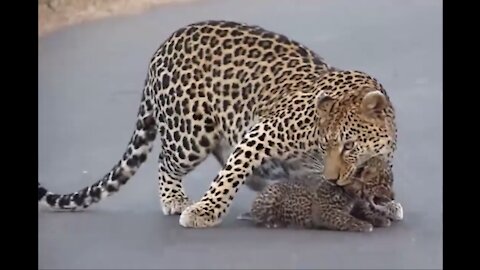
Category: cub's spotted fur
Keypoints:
(312, 202)
(254, 99)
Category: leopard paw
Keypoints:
(175, 205)
(199, 215)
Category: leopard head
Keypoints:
(356, 121)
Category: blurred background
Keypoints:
(56, 14)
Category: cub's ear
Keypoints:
(372, 102)
(324, 104)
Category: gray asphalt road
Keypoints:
(90, 81)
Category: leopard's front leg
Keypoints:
(248, 155)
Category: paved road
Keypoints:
(90, 80)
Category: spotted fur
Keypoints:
(256, 99)
(312, 202)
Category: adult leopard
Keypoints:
(253, 98)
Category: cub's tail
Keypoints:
(245, 216)
(135, 155)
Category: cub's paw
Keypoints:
(361, 227)
(200, 215)
(395, 210)
(175, 205)
(381, 222)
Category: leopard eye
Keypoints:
(348, 145)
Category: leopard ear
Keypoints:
(373, 101)
(324, 104)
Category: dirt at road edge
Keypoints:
(56, 14)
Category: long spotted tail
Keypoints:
(135, 155)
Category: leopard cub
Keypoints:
(313, 202)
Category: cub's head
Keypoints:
(356, 121)
(373, 182)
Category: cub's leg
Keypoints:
(248, 216)
(380, 215)
(336, 219)
(366, 211)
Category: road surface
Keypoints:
(90, 82)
